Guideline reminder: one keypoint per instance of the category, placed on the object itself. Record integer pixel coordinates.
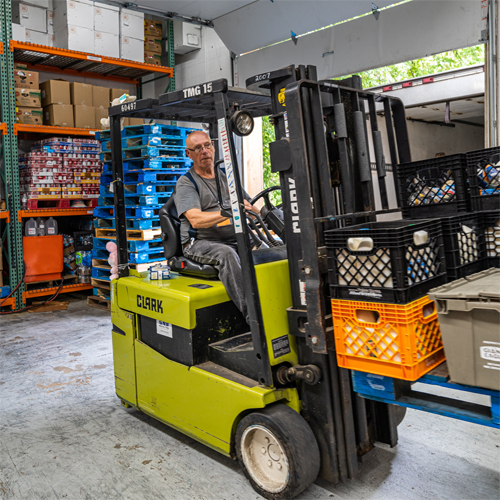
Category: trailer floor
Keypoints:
(65, 435)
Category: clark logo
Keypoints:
(150, 304)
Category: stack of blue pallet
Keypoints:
(153, 161)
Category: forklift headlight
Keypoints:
(242, 123)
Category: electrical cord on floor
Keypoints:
(38, 305)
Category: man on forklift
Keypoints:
(207, 236)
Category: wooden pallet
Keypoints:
(132, 234)
(104, 284)
(99, 303)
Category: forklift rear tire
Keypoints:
(277, 451)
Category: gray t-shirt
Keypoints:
(186, 198)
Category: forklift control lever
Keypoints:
(310, 374)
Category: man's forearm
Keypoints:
(202, 220)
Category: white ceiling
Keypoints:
(245, 25)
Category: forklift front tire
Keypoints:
(277, 451)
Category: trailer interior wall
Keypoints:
(409, 31)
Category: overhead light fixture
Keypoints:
(242, 123)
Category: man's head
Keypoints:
(200, 149)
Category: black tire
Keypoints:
(299, 452)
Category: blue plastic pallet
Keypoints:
(158, 140)
(100, 274)
(170, 163)
(107, 212)
(132, 189)
(146, 152)
(100, 292)
(155, 128)
(146, 257)
(100, 253)
(130, 223)
(146, 176)
(135, 200)
(399, 392)
(132, 245)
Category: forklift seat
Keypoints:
(171, 238)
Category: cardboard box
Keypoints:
(18, 32)
(75, 38)
(84, 116)
(81, 93)
(59, 114)
(50, 22)
(29, 16)
(37, 37)
(152, 58)
(73, 13)
(29, 116)
(55, 92)
(100, 113)
(100, 97)
(153, 28)
(44, 4)
(132, 49)
(114, 93)
(25, 79)
(106, 18)
(152, 44)
(28, 98)
(132, 24)
(106, 44)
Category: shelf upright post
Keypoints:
(10, 155)
(171, 54)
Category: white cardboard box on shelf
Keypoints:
(18, 32)
(73, 13)
(131, 49)
(132, 24)
(106, 18)
(44, 4)
(106, 44)
(75, 38)
(32, 18)
(50, 22)
(33, 36)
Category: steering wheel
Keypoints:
(265, 194)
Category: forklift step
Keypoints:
(151, 176)
(149, 212)
(152, 223)
(239, 343)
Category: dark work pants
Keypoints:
(224, 257)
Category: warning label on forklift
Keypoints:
(163, 328)
(228, 164)
(281, 346)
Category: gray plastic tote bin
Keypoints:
(469, 318)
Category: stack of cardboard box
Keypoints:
(28, 96)
(152, 41)
(33, 21)
(132, 35)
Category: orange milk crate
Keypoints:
(395, 340)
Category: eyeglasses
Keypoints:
(198, 149)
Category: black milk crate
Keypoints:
(434, 187)
(463, 244)
(386, 261)
(491, 231)
(484, 179)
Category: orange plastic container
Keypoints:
(395, 340)
(43, 257)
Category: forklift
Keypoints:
(269, 394)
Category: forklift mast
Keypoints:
(321, 153)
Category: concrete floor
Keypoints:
(64, 434)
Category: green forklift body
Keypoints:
(205, 400)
